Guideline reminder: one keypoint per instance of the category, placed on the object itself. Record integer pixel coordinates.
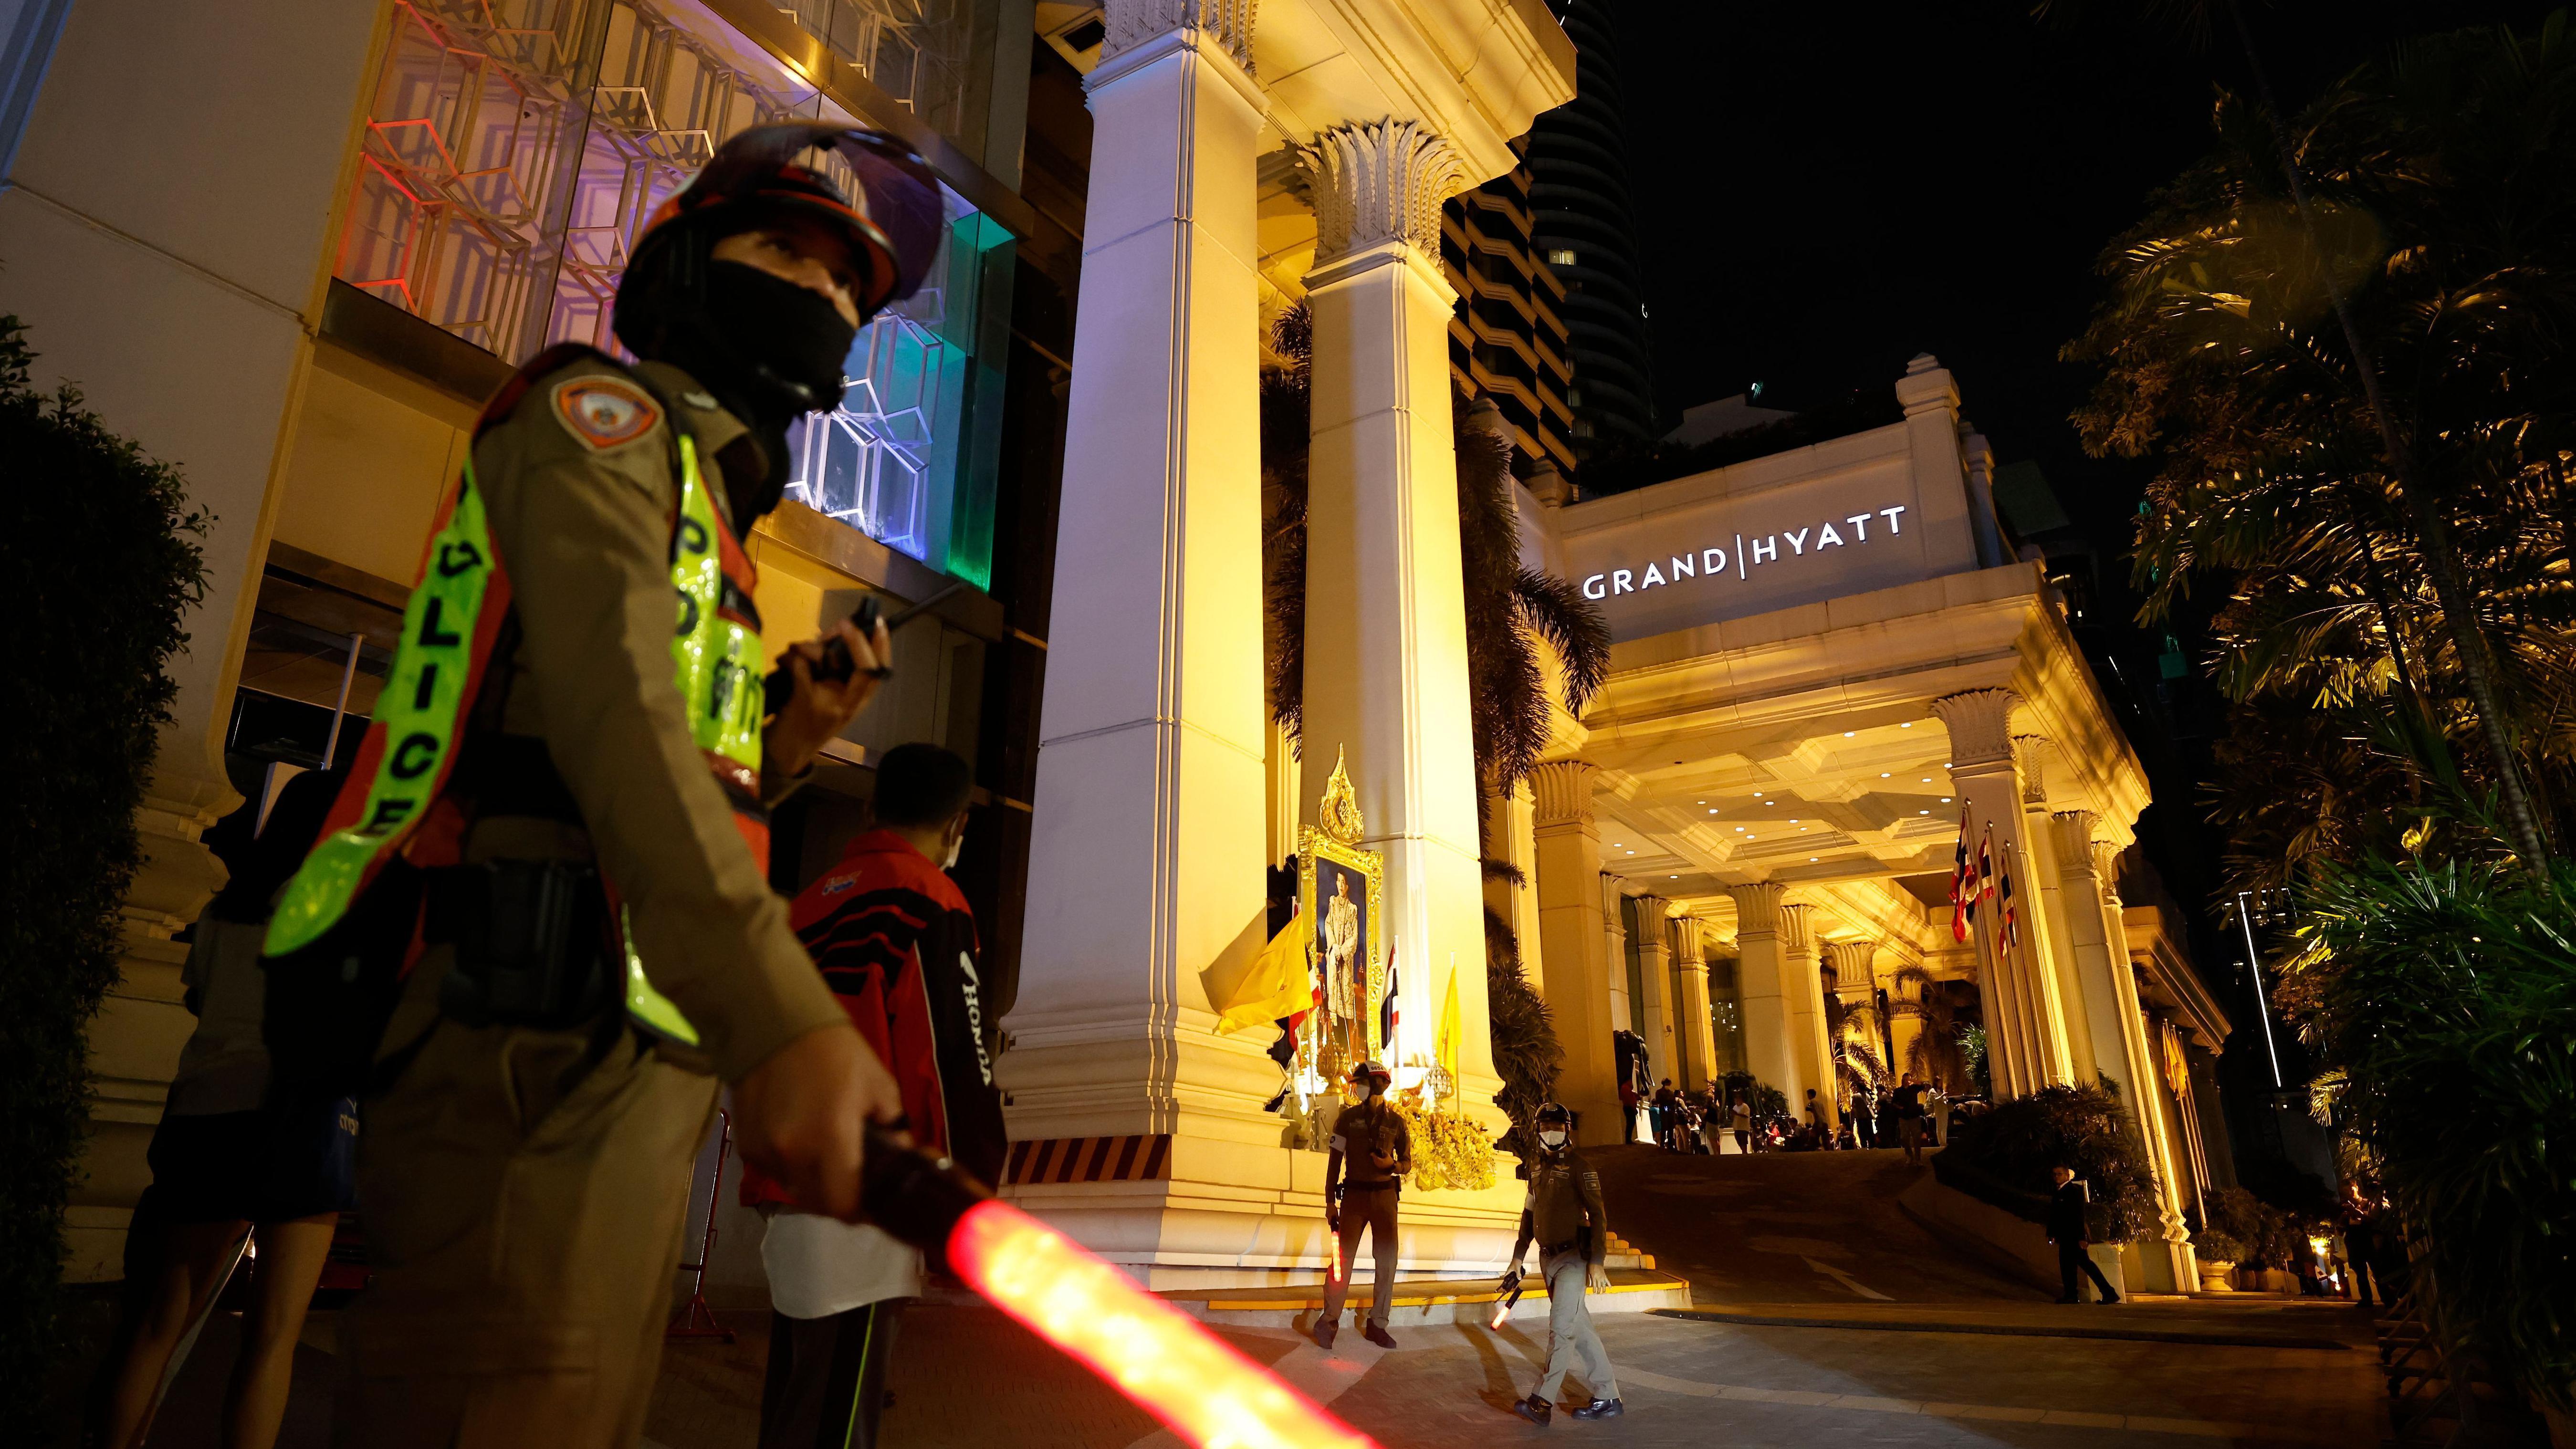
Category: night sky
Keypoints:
(1827, 189)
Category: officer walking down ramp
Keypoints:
(538, 930)
(1565, 1217)
(1370, 1134)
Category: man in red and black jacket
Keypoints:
(895, 941)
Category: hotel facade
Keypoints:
(361, 217)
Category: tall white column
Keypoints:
(2046, 914)
(1654, 978)
(1386, 623)
(1511, 833)
(1771, 1046)
(1614, 947)
(2089, 870)
(1695, 1032)
(1568, 845)
(1146, 889)
(2025, 1028)
(1802, 975)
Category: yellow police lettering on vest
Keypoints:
(604, 412)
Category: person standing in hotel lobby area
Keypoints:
(576, 714)
(895, 940)
(1373, 1138)
(1909, 1118)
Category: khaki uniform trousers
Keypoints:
(1570, 1334)
(1371, 1209)
(523, 1194)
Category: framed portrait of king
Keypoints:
(1341, 891)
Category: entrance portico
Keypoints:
(1821, 662)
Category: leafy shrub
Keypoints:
(98, 553)
(2014, 1145)
(2213, 1246)
(2445, 995)
(2270, 1237)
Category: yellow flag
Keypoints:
(1449, 1024)
(1277, 985)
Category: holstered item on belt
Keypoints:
(531, 943)
(1550, 1250)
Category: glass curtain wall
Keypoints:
(515, 148)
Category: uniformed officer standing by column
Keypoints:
(571, 766)
(1567, 1219)
(1372, 1136)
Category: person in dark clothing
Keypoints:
(1909, 1118)
(2067, 1229)
(2361, 1246)
(1565, 1216)
(895, 941)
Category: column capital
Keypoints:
(2075, 841)
(1757, 908)
(1795, 929)
(1980, 725)
(1226, 24)
(1653, 907)
(2030, 757)
(1561, 791)
(2106, 869)
(1851, 962)
(1378, 182)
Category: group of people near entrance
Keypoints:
(1702, 1121)
(1563, 1215)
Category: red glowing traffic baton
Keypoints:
(1199, 1386)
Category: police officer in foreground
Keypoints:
(1564, 1215)
(570, 770)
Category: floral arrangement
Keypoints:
(1448, 1150)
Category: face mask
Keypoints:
(793, 333)
(956, 848)
(1551, 1140)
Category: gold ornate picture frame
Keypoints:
(1326, 853)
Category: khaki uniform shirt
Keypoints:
(581, 515)
(1373, 1126)
(1564, 1198)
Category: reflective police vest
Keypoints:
(396, 799)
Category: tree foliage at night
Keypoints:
(2441, 205)
(103, 550)
(2344, 338)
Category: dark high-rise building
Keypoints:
(1507, 339)
(1587, 235)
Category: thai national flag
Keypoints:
(1963, 885)
(1388, 1012)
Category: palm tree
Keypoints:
(2370, 277)
(1935, 1055)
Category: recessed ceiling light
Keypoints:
(1922, 812)
(1712, 811)
(1677, 877)
(1811, 860)
(1802, 830)
(1946, 799)
(1847, 734)
(1882, 774)
(1945, 764)
(1909, 724)
(1632, 852)
(1752, 837)
(1927, 779)
(1739, 830)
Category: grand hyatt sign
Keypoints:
(1747, 555)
